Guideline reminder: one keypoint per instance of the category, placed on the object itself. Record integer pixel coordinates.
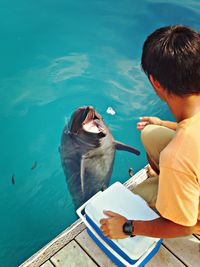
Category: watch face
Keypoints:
(128, 227)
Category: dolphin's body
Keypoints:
(87, 154)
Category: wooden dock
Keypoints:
(74, 248)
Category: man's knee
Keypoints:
(155, 138)
(148, 190)
(148, 136)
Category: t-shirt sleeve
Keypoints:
(178, 197)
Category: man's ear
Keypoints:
(154, 82)
(158, 88)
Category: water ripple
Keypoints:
(40, 86)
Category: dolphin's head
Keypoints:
(86, 119)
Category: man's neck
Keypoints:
(184, 107)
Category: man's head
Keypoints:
(171, 57)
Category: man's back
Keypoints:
(179, 180)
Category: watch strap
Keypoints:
(128, 228)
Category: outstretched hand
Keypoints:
(112, 227)
(144, 121)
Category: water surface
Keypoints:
(54, 57)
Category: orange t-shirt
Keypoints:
(179, 180)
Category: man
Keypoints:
(171, 60)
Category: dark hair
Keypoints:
(172, 56)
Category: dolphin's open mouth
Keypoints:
(93, 121)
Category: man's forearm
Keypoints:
(169, 124)
(161, 228)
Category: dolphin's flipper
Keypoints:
(82, 174)
(121, 146)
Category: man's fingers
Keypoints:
(108, 236)
(103, 227)
(105, 230)
(110, 213)
(140, 127)
(144, 118)
(143, 123)
(103, 221)
(106, 233)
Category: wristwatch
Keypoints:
(128, 228)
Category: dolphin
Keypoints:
(87, 152)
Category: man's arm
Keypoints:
(112, 227)
(161, 228)
(169, 124)
(144, 121)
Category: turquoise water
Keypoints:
(56, 55)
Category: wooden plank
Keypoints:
(93, 250)
(72, 255)
(55, 245)
(47, 264)
(164, 258)
(185, 248)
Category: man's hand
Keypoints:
(144, 121)
(112, 227)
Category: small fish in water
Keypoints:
(130, 171)
(13, 179)
(34, 165)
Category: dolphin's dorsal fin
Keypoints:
(121, 146)
(82, 172)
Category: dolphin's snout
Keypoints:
(89, 114)
(90, 108)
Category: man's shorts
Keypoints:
(154, 138)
